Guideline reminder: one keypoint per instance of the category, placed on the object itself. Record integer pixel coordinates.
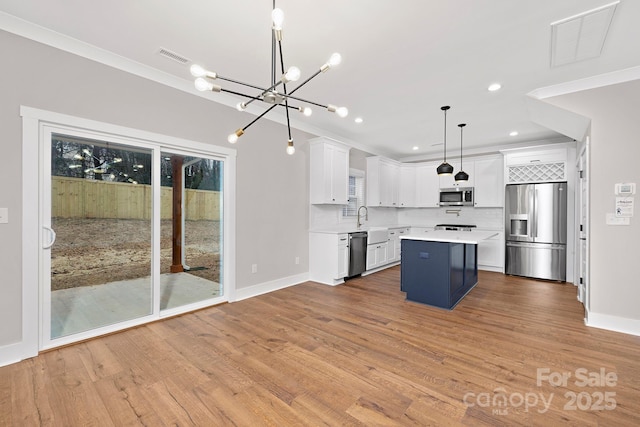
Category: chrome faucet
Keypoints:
(366, 216)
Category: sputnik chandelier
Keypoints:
(271, 95)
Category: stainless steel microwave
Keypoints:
(459, 196)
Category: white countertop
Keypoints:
(352, 228)
(447, 236)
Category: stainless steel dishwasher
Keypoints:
(357, 253)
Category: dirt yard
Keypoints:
(95, 251)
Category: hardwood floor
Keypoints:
(355, 354)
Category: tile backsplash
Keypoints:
(331, 216)
(491, 218)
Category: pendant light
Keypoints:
(445, 168)
(462, 175)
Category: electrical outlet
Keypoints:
(4, 215)
(254, 268)
(297, 260)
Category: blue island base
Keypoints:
(438, 273)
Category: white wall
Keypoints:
(615, 157)
(272, 187)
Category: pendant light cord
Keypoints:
(445, 108)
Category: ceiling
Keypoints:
(402, 60)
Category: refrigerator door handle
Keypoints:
(534, 225)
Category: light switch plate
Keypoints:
(612, 219)
(4, 215)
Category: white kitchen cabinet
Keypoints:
(427, 185)
(328, 257)
(527, 165)
(407, 193)
(376, 255)
(489, 183)
(394, 244)
(448, 181)
(329, 172)
(393, 252)
(382, 182)
(343, 256)
(491, 253)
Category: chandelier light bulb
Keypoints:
(241, 106)
(202, 85)
(342, 112)
(277, 15)
(335, 59)
(233, 138)
(306, 111)
(292, 75)
(290, 148)
(198, 71)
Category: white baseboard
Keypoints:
(612, 323)
(274, 285)
(12, 353)
(491, 268)
(384, 267)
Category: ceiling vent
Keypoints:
(580, 36)
(173, 56)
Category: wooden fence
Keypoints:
(85, 198)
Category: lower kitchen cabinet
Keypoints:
(377, 255)
(328, 257)
(491, 253)
(393, 248)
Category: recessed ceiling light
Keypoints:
(514, 133)
(415, 148)
(358, 120)
(494, 87)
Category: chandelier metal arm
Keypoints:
(233, 92)
(307, 81)
(304, 100)
(260, 116)
(284, 88)
(241, 83)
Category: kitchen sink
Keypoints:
(377, 235)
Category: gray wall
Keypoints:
(272, 187)
(615, 156)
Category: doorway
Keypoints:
(107, 228)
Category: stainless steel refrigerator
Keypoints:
(536, 230)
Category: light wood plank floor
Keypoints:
(355, 354)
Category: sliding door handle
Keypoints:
(52, 237)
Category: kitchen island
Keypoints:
(439, 268)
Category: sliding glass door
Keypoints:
(131, 231)
(100, 211)
(191, 229)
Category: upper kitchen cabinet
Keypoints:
(427, 185)
(543, 164)
(489, 183)
(419, 186)
(407, 193)
(448, 181)
(329, 172)
(383, 176)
